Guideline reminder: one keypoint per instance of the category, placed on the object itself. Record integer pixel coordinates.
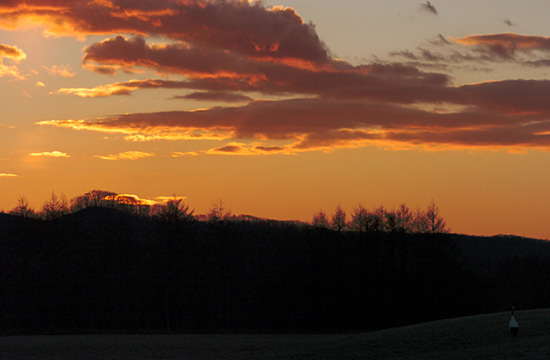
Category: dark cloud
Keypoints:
(228, 149)
(312, 124)
(215, 96)
(427, 6)
(234, 25)
(509, 22)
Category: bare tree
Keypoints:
(218, 212)
(391, 224)
(22, 208)
(55, 207)
(339, 219)
(359, 219)
(435, 222)
(320, 220)
(420, 221)
(404, 219)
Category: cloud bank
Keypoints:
(233, 52)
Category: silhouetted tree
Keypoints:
(174, 210)
(320, 220)
(55, 207)
(391, 223)
(435, 222)
(404, 218)
(218, 212)
(339, 219)
(23, 209)
(376, 220)
(420, 221)
(359, 219)
(94, 198)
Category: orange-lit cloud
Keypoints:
(40, 84)
(509, 41)
(8, 175)
(99, 91)
(55, 154)
(130, 199)
(322, 124)
(14, 54)
(232, 51)
(186, 153)
(127, 155)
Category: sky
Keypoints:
(283, 108)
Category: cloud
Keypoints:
(487, 121)
(130, 199)
(506, 45)
(230, 51)
(14, 54)
(8, 175)
(165, 199)
(248, 149)
(427, 6)
(56, 154)
(478, 50)
(388, 82)
(40, 84)
(60, 70)
(99, 91)
(240, 27)
(127, 155)
(182, 154)
(221, 96)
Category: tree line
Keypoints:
(403, 219)
(379, 219)
(58, 205)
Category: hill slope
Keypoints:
(474, 337)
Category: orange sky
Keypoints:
(282, 108)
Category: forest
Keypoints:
(102, 268)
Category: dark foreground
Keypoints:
(475, 337)
(104, 271)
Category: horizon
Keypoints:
(282, 108)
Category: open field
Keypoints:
(475, 337)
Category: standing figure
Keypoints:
(513, 325)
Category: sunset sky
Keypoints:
(282, 108)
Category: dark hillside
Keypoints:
(105, 270)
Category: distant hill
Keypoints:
(102, 269)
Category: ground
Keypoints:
(475, 337)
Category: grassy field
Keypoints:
(475, 337)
